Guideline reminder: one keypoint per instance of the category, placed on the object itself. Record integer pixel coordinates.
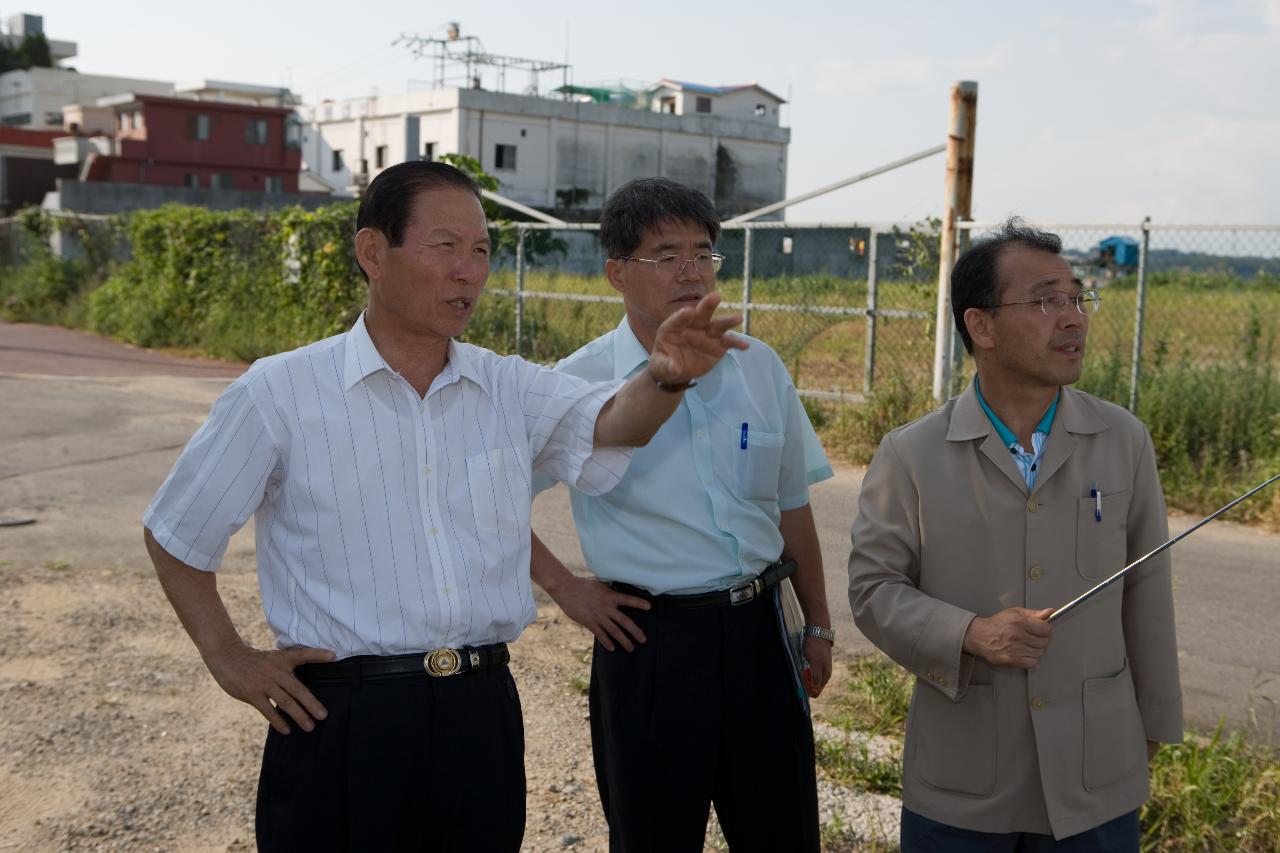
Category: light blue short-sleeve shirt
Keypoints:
(699, 507)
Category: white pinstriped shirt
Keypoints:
(385, 523)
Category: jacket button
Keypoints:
(1032, 506)
(1035, 573)
(1037, 702)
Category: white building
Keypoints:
(565, 156)
(34, 98)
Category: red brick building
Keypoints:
(183, 142)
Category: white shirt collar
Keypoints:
(363, 360)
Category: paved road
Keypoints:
(89, 427)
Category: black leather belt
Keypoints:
(743, 593)
(437, 663)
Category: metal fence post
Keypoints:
(870, 377)
(746, 279)
(520, 229)
(1139, 315)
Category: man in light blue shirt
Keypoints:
(700, 704)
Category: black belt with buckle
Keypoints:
(743, 593)
(437, 663)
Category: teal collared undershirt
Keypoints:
(1028, 462)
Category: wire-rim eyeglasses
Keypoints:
(705, 263)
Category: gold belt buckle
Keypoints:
(442, 662)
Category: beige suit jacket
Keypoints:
(947, 531)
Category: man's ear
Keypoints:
(370, 252)
(979, 324)
(613, 270)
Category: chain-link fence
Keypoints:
(850, 305)
(842, 304)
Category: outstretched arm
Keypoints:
(689, 343)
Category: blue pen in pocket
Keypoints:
(743, 443)
(1096, 494)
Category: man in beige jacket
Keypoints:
(974, 522)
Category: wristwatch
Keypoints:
(821, 633)
(671, 387)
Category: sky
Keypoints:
(1088, 112)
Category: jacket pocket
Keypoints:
(955, 742)
(1100, 545)
(1114, 737)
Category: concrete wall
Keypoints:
(95, 197)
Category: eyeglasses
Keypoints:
(705, 263)
(1086, 302)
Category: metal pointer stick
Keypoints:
(1073, 603)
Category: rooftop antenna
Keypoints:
(456, 50)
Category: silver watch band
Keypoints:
(821, 633)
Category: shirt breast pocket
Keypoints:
(1101, 546)
(499, 496)
(758, 465)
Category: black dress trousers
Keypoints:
(706, 711)
(400, 763)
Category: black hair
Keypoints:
(974, 279)
(388, 200)
(645, 204)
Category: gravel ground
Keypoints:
(114, 737)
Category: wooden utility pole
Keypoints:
(957, 206)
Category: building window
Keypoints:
(380, 157)
(293, 135)
(668, 104)
(704, 104)
(124, 122)
(255, 131)
(761, 110)
(429, 151)
(191, 180)
(137, 119)
(274, 184)
(222, 181)
(198, 126)
(504, 157)
(53, 118)
(337, 160)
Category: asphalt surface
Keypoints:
(90, 427)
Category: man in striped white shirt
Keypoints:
(389, 472)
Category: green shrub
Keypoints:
(856, 430)
(38, 287)
(235, 284)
